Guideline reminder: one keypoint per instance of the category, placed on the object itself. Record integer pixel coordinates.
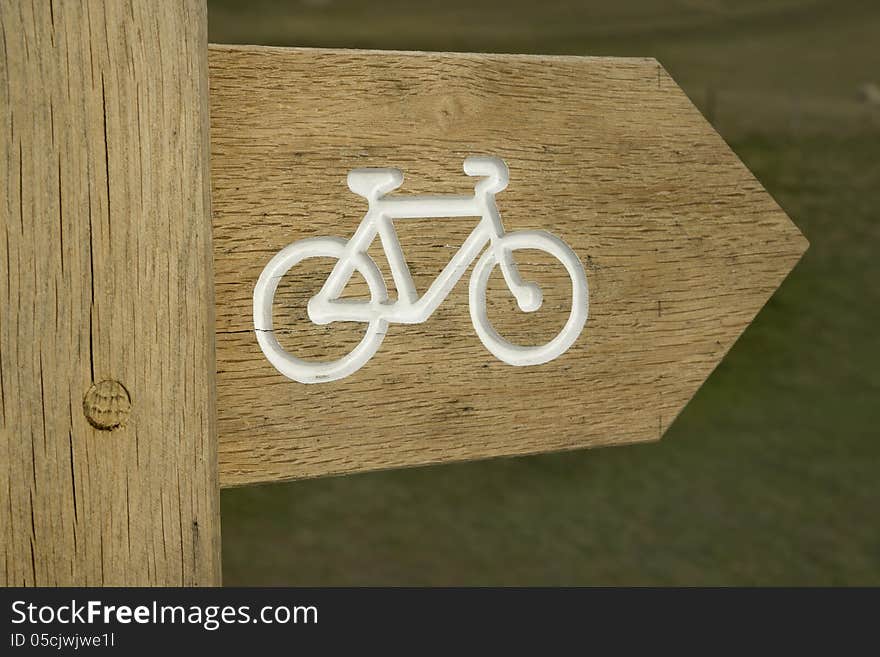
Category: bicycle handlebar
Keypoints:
(490, 167)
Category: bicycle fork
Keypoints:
(528, 295)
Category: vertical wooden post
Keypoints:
(108, 449)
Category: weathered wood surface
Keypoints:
(106, 278)
(681, 245)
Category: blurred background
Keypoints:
(771, 475)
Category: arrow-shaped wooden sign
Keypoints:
(678, 244)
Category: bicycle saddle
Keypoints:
(367, 182)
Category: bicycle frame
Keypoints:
(409, 308)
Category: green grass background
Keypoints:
(771, 475)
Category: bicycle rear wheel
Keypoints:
(289, 365)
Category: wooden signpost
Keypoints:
(119, 418)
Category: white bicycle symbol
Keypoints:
(409, 308)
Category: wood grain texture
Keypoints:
(681, 245)
(106, 278)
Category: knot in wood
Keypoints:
(107, 405)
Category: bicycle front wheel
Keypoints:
(520, 355)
